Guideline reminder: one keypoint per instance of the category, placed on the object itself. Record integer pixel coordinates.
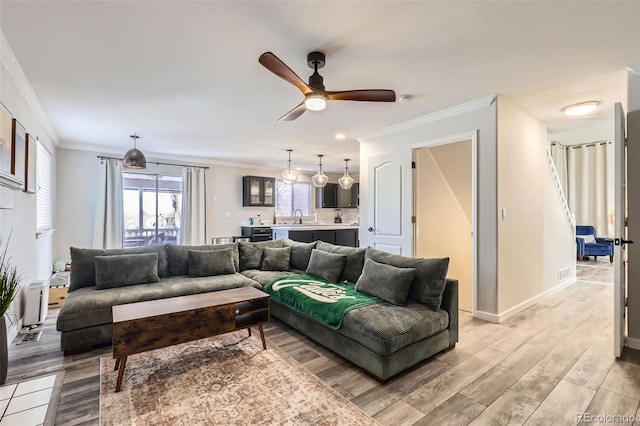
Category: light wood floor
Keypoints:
(541, 367)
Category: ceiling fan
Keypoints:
(315, 97)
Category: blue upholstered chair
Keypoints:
(588, 243)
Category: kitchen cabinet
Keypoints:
(327, 196)
(343, 237)
(326, 235)
(347, 237)
(355, 195)
(301, 236)
(349, 198)
(258, 191)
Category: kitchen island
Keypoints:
(338, 233)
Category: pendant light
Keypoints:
(320, 179)
(346, 181)
(134, 158)
(289, 176)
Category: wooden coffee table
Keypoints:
(144, 326)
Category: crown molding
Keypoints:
(430, 118)
(16, 72)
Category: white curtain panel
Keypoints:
(590, 185)
(193, 205)
(109, 219)
(559, 155)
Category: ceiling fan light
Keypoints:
(134, 158)
(320, 180)
(582, 108)
(289, 176)
(315, 102)
(346, 181)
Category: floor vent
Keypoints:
(563, 274)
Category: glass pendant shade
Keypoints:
(320, 179)
(346, 181)
(134, 158)
(289, 176)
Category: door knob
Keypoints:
(621, 241)
(370, 229)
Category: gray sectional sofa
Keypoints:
(383, 338)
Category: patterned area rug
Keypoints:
(223, 380)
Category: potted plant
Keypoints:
(9, 284)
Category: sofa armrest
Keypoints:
(450, 304)
(580, 246)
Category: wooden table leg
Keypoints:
(264, 342)
(121, 373)
(117, 364)
(249, 328)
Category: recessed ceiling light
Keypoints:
(340, 136)
(582, 108)
(298, 168)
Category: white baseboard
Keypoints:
(498, 318)
(632, 343)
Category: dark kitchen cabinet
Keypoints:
(326, 235)
(355, 195)
(301, 236)
(258, 191)
(348, 198)
(327, 196)
(343, 237)
(347, 237)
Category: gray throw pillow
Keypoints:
(128, 269)
(355, 259)
(387, 282)
(179, 256)
(328, 266)
(251, 253)
(300, 253)
(276, 259)
(430, 279)
(206, 263)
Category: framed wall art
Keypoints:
(19, 151)
(30, 175)
(5, 141)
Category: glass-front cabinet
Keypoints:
(258, 191)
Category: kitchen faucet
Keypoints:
(295, 214)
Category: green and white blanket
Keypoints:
(319, 299)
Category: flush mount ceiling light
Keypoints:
(346, 181)
(582, 108)
(315, 102)
(340, 136)
(289, 176)
(134, 158)
(320, 179)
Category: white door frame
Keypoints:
(458, 137)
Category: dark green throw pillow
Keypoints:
(276, 259)
(355, 259)
(251, 253)
(328, 266)
(206, 263)
(179, 256)
(300, 253)
(128, 269)
(387, 282)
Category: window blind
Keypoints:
(43, 194)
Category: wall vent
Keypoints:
(564, 274)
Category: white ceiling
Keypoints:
(185, 75)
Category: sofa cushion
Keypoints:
(179, 256)
(300, 253)
(328, 266)
(385, 328)
(88, 307)
(126, 269)
(265, 277)
(276, 259)
(429, 282)
(355, 259)
(83, 263)
(251, 253)
(387, 282)
(207, 263)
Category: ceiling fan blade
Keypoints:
(294, 113)
(279, 68)
(362, 95)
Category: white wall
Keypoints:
(32, 256)
(535, 240)
(78, 174)
(443, 211)
(442, 125)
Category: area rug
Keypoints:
(223, 380)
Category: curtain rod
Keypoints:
(102, 157)
(582, 144)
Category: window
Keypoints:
(289, 198)
(43, 195)
(152, 209)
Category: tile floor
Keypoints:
(26, 403)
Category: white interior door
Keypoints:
(620, 252)
(389, 205)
